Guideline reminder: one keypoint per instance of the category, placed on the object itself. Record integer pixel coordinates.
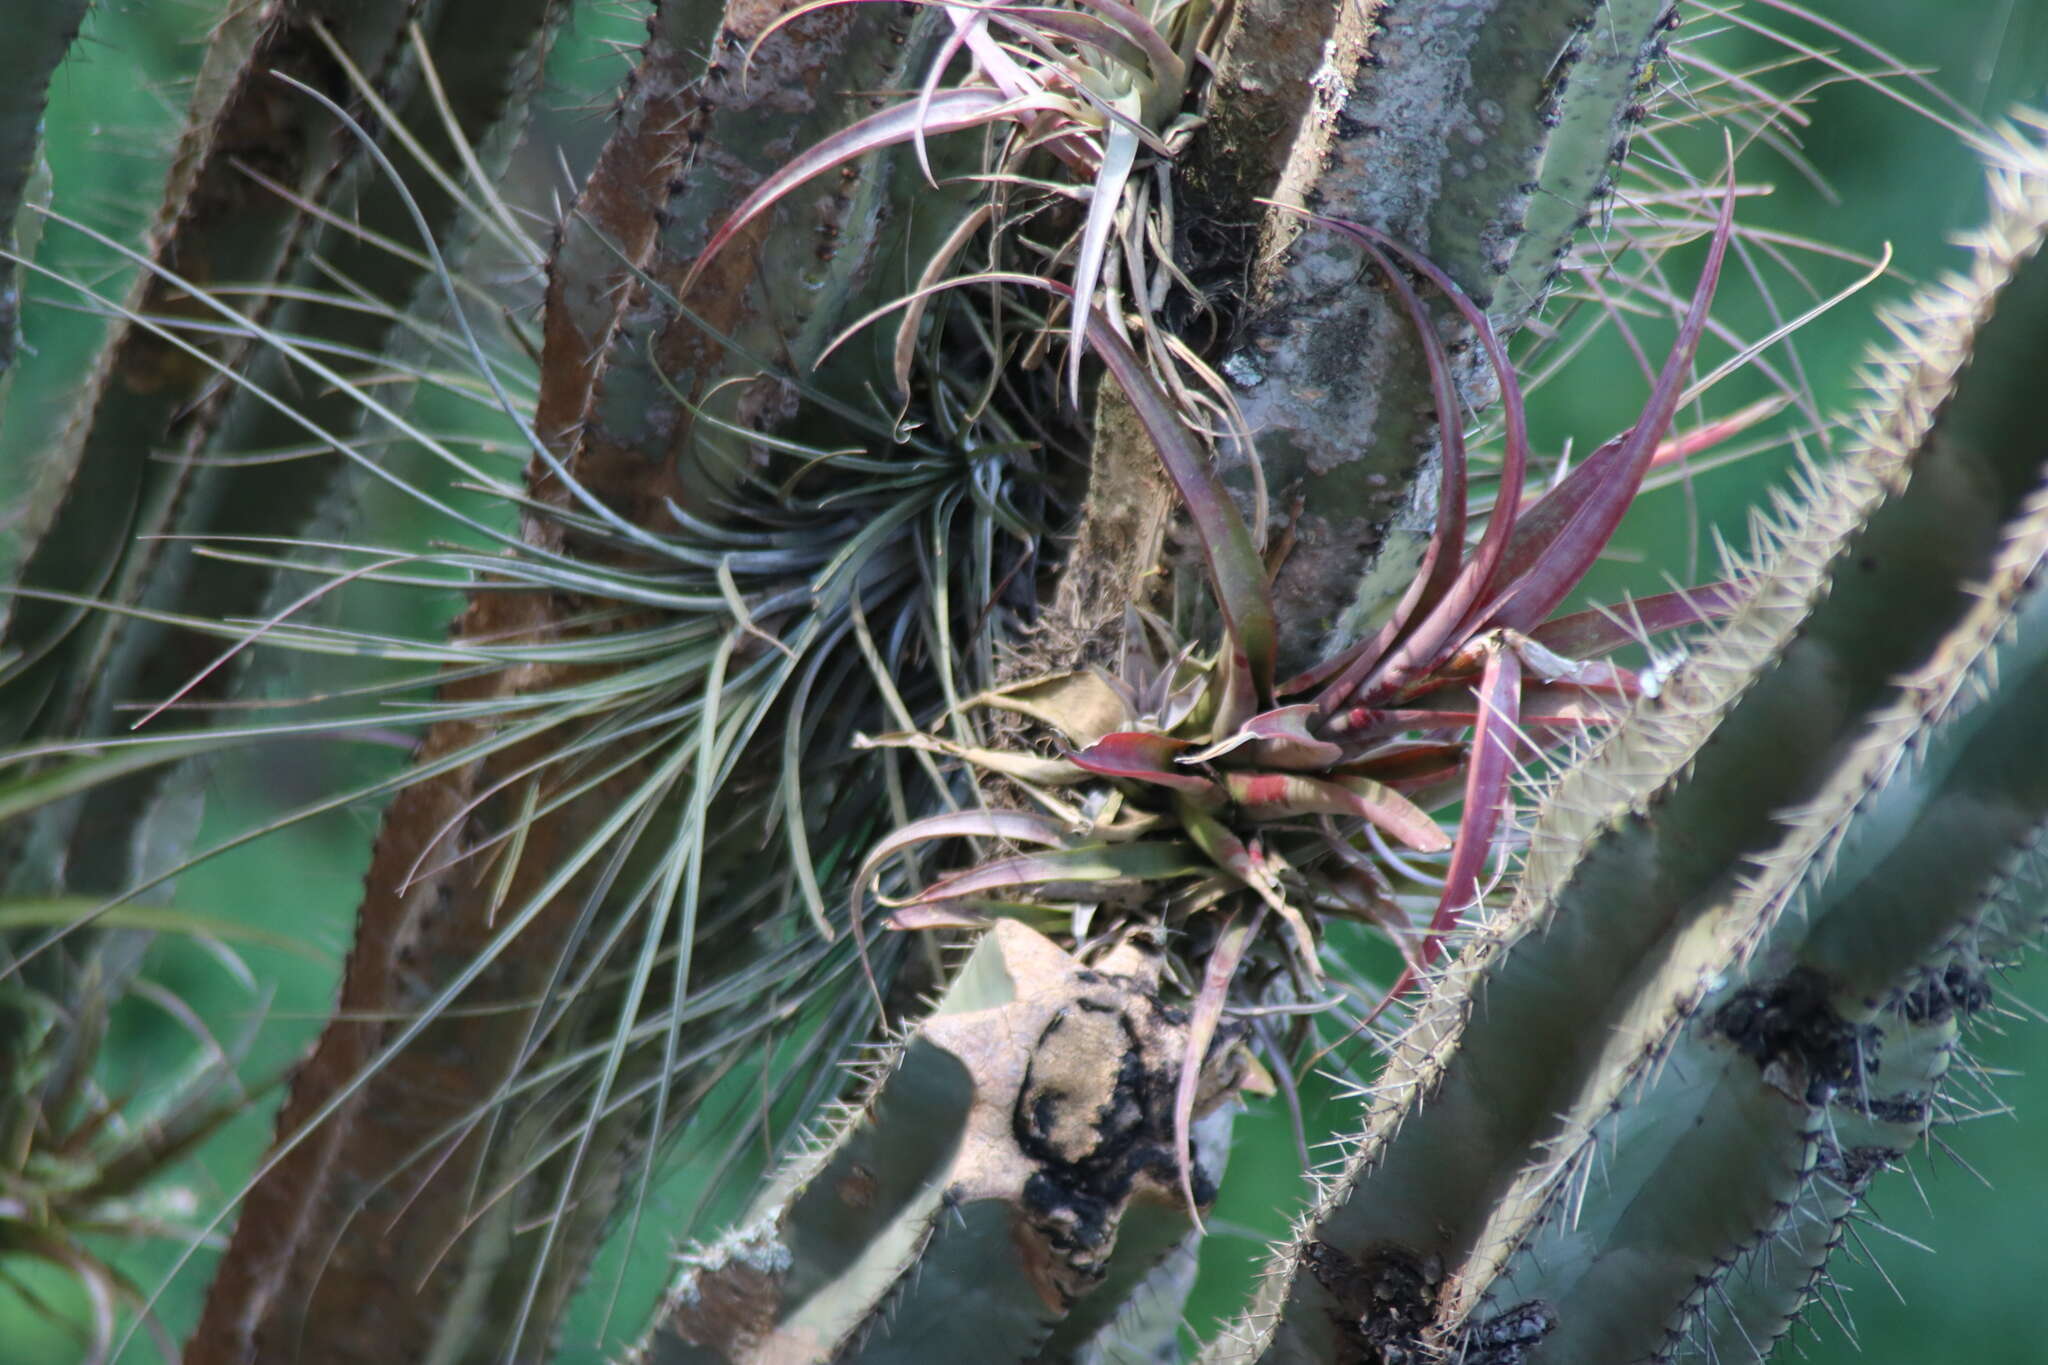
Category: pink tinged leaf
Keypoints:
(1413, 765)
(1562, 562)
(1588, 634)
(1018, 826)
(964, 27)
(1697, 440)
(948, 111)
(1143, 757)
(1249, 865)
(1217, 974)
(1235, 568)
(1285, 794)
(1356, 889)
(1547, 517)
(1458, 705)
(1280, 738)
(1486, 791)
(1043, 28)
(1449, 621)
(1022, 827)
(1166, 64)
(1440, 561)
(1088, 863)
(994, 63)
(934, 270)
(910, 918)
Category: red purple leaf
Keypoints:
(1486, 790)
(1280, 738)
(1023, 827)
(1217, 974)
(1410, 766)
(1588, 634)
(1439, 568)
(1449, 621)
(947, 111)
(1235, 568)
(1018, 826)
(1609, 485)
(1141, 756)
(910, 918)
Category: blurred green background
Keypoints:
(1960, 1240)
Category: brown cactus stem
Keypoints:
(359, 1235)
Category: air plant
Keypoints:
(1101, 93)
(691, 658)
(1194, 790)
(669, 687)
(79, 1165)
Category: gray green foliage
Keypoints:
(700, 559)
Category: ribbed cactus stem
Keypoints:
(37, 39)
(1011, 1162)
(1464, 131)
(1605, 1019)
(1866, 1128)
(1457, 125)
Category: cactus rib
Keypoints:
(1662, 860)
(36, 43)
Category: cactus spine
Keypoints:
(1702, 864)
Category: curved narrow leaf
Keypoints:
(1024, 827)
(1119, 155)
(1281, 794)
(1607, 486)
(1235, 568)
(1486, 791)
(1143, 757)
(945, 112)
(1143, 862)
(1586, 634)
(1446, 621)
(1217, 973)
(1440, 561)
(1279, 738)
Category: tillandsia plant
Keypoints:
(1196, 790)
(1099, 430)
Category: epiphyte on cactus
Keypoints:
(1210, 799)
(1760, 877)
(1102, 88)
(1203, 768)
